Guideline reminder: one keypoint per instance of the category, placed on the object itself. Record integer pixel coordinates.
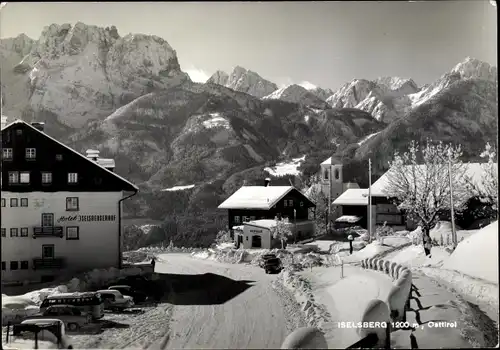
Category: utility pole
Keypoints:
(295, 224)
(370, 199)
(329, 199)
(452, 209)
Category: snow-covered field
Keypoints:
(178, 188)
(286, 168)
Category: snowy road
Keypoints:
(212, 305)
(252, 318)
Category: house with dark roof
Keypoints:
(61, 210)
(250, 203)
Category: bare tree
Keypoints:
(487, 188)
(419, 182)
(281, 230)
(318, 197)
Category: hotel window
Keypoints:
(4, 232)
(325, 174)
(72, 233)
(72, 204)
(24, 232)
(301, 204)
(285, 203)
(252, 217)
(46, 178)
(24, 265)
(244, 219)
(19, 132)
(24, 177)
(24, 202)
(14, 265)
(236, 219)
(4, 266)
(3, 202)
(290, 202)
(13, 177)
(7, 154)
(72, 178)
(14, 202)
(30, 153)
(14, 232)
(59, 157)
(337, 174)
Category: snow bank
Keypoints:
(316, 315)
(400, 292)
(369, 251)
(414, 257)
(305, 338)
(480, 290)
(477, 255)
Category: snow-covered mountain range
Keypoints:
(128, 97)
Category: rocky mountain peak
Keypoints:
(472, 68)
(249, 82)
(219, 77)
(73, 69)
(297, 94)
(21, 44)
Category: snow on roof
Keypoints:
(19, 121)
(353, 196)
(106, 162)
(256, 197)
(348, 218)
(264, 223)
(474, 170)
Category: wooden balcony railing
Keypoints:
(48, 231)
(48, 263)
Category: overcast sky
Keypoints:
(325, 43)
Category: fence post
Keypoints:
(341, 268)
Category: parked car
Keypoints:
(266, 257)
(44, 333)
(71, 315)
(14, 310)
(273, 265)
(115, 300)
(137, 296)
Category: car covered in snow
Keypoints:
(14, 310)
(72, 316)
(115, 300)
(43, 333)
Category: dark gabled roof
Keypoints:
(125, 181)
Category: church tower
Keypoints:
(332, 183)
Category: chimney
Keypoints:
(267, 181)
(38, 125)
(4, 121)
(93, 154)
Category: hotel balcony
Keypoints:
(48, 231)
(48, 263)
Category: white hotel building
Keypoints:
(60, 210)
